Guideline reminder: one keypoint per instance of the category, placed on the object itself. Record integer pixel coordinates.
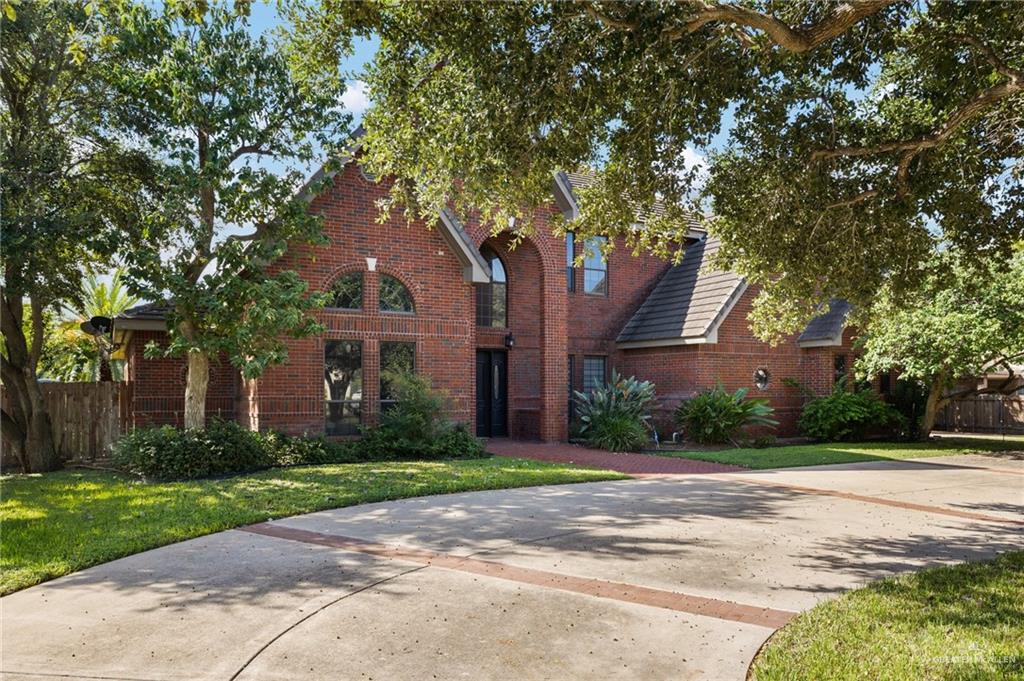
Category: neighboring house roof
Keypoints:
(688, 305)
(567, 183)
(145, 317)
(826, 329)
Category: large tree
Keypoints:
(845, 137)
(236, 134)
(69, 190)
(965, 321)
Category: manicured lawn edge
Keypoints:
(954, 622)
(842, 452)
(57, 523)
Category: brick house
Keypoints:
(506, 332)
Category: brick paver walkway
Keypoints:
(633, 464)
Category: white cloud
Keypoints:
(355, 99)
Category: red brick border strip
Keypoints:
(882, 501)
(619, 591)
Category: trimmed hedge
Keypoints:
(414, 428)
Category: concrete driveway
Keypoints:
(679, 577)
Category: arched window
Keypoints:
(346, 292)
(492, 298)
(394, 296)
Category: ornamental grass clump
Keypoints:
(715, 416)
(614, 416)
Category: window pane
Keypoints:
(595, 282)
(343, 418)
(593, 373)
(343, 386)
(394, 296)
(492, 298)
(347, 292)
(570, 261)
(595, 268)
(395, 357)
(594, 257)
(839, 365)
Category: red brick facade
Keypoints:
(549, 323)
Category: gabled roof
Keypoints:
(566, 185)
(826, 329)
(474, 268)
(688, 304)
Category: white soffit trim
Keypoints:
(564, 198)
(474, 269)
(823, 342)
(668, 342)
(140, 325)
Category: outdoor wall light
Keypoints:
(510, 340)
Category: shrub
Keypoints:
(617, 433)
(715, 416)
(614, 416)
(287, 450)
(167, 453)
(844, 415)
(415, 426)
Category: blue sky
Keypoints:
(265, 19)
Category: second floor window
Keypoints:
(492, 298)
(570, 261)
(595, 267)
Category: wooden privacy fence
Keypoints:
(86, 418)
(983, 414)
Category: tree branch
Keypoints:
(797, 39)
(607, 21)
(853, 200)
(912, 148)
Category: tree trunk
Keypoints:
(247, 408)
(931, 408)
(196, 383)
(27, 428)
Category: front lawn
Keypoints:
(959, 622)
(846, 452)
(56, 523)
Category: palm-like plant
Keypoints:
(715, 416)
(77, 356)
(620, 407)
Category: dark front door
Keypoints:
(491, 393)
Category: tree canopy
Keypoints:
(965, 320)
(71, 191)
(844, 140)
(213, 104)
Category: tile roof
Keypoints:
(688, 303)
(146, 311)
(827, 328)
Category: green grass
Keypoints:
(56, 523)
(851, 452)
(963, 622)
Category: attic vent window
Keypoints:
(367, 175)
(761, 379)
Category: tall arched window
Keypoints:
(394, 296)
(492, 298)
